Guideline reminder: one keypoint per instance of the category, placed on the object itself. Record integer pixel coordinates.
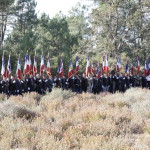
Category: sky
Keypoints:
(52, 7)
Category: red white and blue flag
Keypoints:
(146, 68)
(61, 68)
(26, 65)
(98, 70)
(8, 70)
(93, 69)
(77, 65)
(18, 71)
(106, 65)
(3, 67)
(71, 71)
(127, 67)
(88, 68)
(42, 65)
(48, 67)
(35, 66)
(149, 66)
(118, 65)
(138, 65)
(103, 66)
(30, 66)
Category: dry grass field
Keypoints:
(62, 120)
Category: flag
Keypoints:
(146, 68)
(127, 67)
(71, 71)
(48, 67)
(103, 67)
(77, 65)
(18, 71)
(132, 68)
(8, 70)
(98, 70)
(148, 62)
(106, 64)
(30, 66)
(3, 67)
(93, 69)
(42, 66)
(137, 65)
(26, 65)
(118, 65)
(35, 66)
(60, 68)
(88, 68)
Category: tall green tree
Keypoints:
(121, 26)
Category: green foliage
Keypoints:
(115, 27)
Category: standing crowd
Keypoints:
(76, 83)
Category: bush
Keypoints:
(66, 121)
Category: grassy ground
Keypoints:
(63, 120)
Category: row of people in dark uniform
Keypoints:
(77, 83)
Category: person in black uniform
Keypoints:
(94, 85)
(38, 84)
(111, 83)
(127, 81)
(12, 85)
(64, 83)
(117, 82)
(18, 87)
(99, 85)
(71, 85)
(77, 83)
(148, 81)
(44, 84)
(137, 81)
(144, 82)
(56, 82)
(84, 83)
(30, 83)
(132, 80)
(24, 85)
(5, 86)
(105, 83)
(122, 83)
(49, 85)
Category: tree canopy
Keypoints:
(113, 27)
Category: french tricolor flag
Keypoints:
(106, 64)
(146, 68)
(8, 70)
(48, 67)
(88, 68)
(138, 65)
(30, 66)
(18, 71)
(118, 65)
(127, 67)
(71, 71)
(35, 66)
(77, 65)
(93, 69)
(103, 67)
(26, 65)
(3, 67)
(42, 66)
(60, 68)
(149, 66)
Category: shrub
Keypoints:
(66, 121)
